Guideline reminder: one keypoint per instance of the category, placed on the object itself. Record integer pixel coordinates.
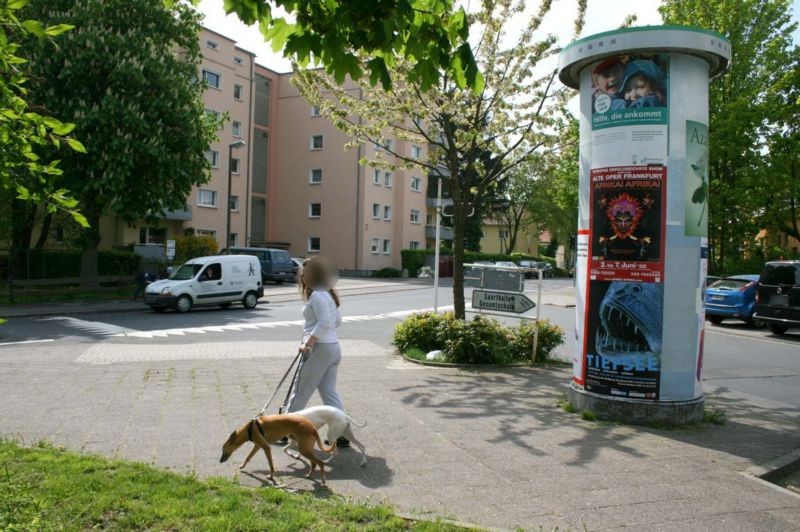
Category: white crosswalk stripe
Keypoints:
(94, 327)
(258, 325)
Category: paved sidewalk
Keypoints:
(490, 447)
(272, 293)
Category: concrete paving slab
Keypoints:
(490, 447)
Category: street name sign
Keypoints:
(501, 301)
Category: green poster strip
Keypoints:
(696, 183)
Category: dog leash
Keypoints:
(278, 387)
(282, 409)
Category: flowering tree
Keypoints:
(475, 138)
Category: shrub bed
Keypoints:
(479, 341)
(387, 273)
(45, 264)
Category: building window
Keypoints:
(315, 176)
(414, 216)
(413, 245)
(387, 247)
(238, 60)
(234, 203)
(206, 232)
(376, 210)
(376, 243)
(387, 212)
(59, 236)
(376, 176)
(387, 179)
(313, 244)
(237, 92)
(212, 79)
(315, 111)
(314, 210)
(387, 147)
(416, 184)
(234, 239)
(429, 219)
(316, 142)
(236, 127)
(213, 158)
(212, 44)
(416, 152)
(503, 233)
(236, 166)
(207, 198)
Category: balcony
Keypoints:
(445, 233)
(184, 215)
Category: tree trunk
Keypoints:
(23, 215)
(90, 239)
(48, 219)
(459, 221)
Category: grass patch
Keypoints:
(566, 406)
(415, 353)
(588, 415)
(715, 416)
(48, 488)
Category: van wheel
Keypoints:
(778, 329)
(224, 305)
(250, 300)
(184, 304)
(716, 320)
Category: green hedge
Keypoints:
(387, 273)
(478, 341)
(46, 264)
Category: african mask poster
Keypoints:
(627, 217)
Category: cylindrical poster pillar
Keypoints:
(643, 219)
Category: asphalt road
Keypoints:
(753, 363)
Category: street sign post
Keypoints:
(501, 301)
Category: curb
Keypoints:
(469, 366)
(777, 469)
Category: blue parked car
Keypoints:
(732, 297)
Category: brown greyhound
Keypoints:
(264, 429)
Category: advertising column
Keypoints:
(643, 215)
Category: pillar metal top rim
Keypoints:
(712, 47)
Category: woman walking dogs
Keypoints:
(320, 346)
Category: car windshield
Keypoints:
(186, 272)
(729, 284)
(781, 274)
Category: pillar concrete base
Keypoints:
(637, 411)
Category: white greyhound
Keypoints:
(339, 424)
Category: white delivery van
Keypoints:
(218, 280)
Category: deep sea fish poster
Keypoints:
(623, 339)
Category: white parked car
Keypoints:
(217, 280)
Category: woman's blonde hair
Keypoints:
(317, 271)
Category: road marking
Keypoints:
(111, 353)
(94, 327)
(27, 342)
(162, 333)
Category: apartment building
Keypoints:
(293, 185)
(324, 202)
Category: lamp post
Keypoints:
(231, 147)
